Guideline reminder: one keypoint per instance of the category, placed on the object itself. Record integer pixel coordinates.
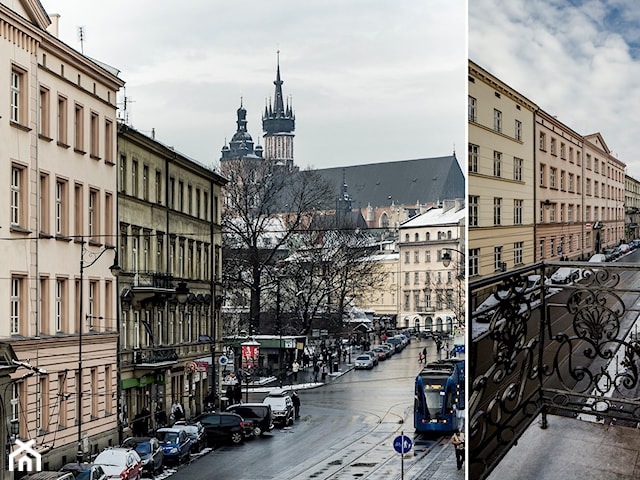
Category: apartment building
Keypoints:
(501, 175)
(431, 292)
(58, 144)
(632, 208)
(169, 289)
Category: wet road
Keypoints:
(339, 423)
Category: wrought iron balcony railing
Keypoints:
(152, 279)
(538, 348)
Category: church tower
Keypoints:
(241, 144)
(278, 124)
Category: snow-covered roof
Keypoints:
(436, 216)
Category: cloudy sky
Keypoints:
(370, 80)
(578, 60)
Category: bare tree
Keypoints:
(264, 206)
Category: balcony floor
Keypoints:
(572, 449)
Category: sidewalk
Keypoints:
(305, 378)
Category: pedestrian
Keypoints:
(305, 361)
(316, 371)
(177, 411)
(230, 395)
(419, 357)
(457, 440)
(323, 370)
(161, 416)
(296, 404)
(424, 354)
(295, 366)
(237, 393)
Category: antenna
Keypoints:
(123, 112)
(81, 37)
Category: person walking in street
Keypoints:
(316, 371)
(457, 440)
(177, 411)
(419, 357)
(324, 372)
(424, 354)
(296, 404)
(294, 368)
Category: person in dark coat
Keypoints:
(296, 404)
(316, 371)
(237, 393)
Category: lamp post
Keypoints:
(115, 270)
(446, 261)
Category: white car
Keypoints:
(565, 275)
(598, 258)
(363, 362)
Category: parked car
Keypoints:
(222, 427)
(281, 407)
(196, 433)
(565, 275)
(150, 451)
(373, 355)
(49, 475)
(388, 348)
(120, 463)
(363, 362)
(598, 258)
(380, 352)
(175, 443)
(258, 414)
(85, 471)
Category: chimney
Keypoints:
(459, 204)
(55, 23)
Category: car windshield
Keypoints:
(110, 457)
(364, 357)
(168, 437)
(143, 448)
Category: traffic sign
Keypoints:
(223, 360)
(402, 444)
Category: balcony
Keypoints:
(155, 357)
(152, 280)
(555, 374)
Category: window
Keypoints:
(406, 257)
(570, 213)
(518, 130)
(588, 163)
(497, 120)
(517, 212)
(474, 261)
(62, 121)
(570, 186)
(18, 196)
(552, 177)
(427, 256)
(552, 213)
(497, 258)
(542, 141)
(197, 202)
(588, 187)
(517, 169)
(553, 146)
(473, 158)
(497, 164)
(108, 141)
(60, 313)
(134, 178)
(78, 129)
(145, 182)
(17, 309)
(416, 257)
(123, 173)
(79, 210)
(18, 96)
(160, 253)
(180, 196)
(473, 210)
(158, 187)
(172, 192)
(189, 199)
(543, 174)
(563, 180)
(61, 208)
(517, 253)
(563, 151)
(205, 201)
(108, 219)
(497, 211)
(473, 109)
(44, 111)
(94, 215)
(94, 133)
(45, 213)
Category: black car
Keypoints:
(196, 434)
(222, 427)
(257, 414)
(150, 452)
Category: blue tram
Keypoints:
(439, 393)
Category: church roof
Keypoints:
(423, 180)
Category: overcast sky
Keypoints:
(370, 80)
(578, 60)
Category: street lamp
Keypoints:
(115, 270)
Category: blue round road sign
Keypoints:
(402, 444)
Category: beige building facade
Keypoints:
(58, 143)
(500, 175)
(632, 208)
(169, 289)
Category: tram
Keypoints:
(439, 394)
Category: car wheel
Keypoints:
(236, 437)
(257, 431)
(290, 421)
